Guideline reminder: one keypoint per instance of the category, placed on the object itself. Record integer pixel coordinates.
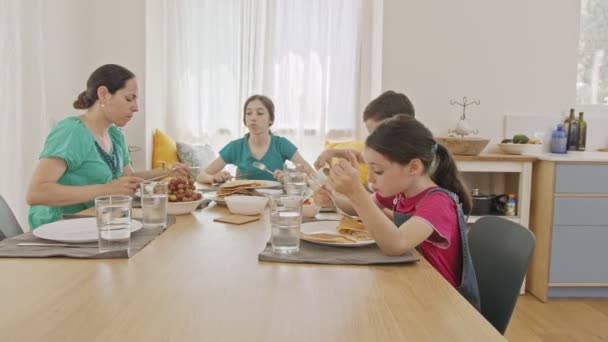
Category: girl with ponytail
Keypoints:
(417, 179)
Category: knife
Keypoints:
(47, 244)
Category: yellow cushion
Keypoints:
(353, 145)
(164, 149)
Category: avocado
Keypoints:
(520, 139)
(506, 141)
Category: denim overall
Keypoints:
(468, 285)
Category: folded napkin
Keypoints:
(9, 248)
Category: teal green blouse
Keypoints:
(71, 141)
(237, 152)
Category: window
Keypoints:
(592, 72)
(304, 55)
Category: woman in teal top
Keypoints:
(86, 156)
(259, 145)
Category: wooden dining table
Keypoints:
(201, 280)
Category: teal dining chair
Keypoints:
(9, 226)
(501, 250)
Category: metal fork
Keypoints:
(331, 196)
(262, 167)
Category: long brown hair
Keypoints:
(403, 138)
(112, 76)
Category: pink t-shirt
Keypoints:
(442, 249)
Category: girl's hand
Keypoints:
(321, 198)
(344, 176)
(278, 174)
(222, 177)
(124, 185)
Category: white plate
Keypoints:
(212, 196)
(264, 184)
(74, 230)
(270, 192)
(329, 227)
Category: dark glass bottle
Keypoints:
(571, 127)
(582, 132)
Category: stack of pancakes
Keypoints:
(238, 187)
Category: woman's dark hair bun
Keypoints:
(83, 101)
(111, 76)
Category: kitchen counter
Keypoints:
(572, 156)
(497, 157)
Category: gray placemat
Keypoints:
(312, 253)
(139, 239)
(136, 203)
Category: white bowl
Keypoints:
(246, 205)
(182, 208)
(510, 148)
(310, 210)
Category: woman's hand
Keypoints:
(179, 169)
(279, 175)
(344, 176)
(124, 185)
(221, 177)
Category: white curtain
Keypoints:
(22, 98)
(303, 54)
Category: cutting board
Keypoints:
(237, 219)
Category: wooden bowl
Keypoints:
(467, 146)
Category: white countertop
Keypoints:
(573, 156)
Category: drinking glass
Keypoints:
(285, 221)
(113, 222)
(154, 198)
(295, 180)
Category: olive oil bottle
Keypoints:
(571, 127)
(582, 132)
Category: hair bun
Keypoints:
(83, 101)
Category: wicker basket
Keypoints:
(467, 146)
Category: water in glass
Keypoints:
(285, 231)
(114, 226)
(154, 198)
(295, 183)
(154, 210)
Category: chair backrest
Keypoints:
(9, 226)
(501, 251)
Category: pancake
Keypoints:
(354, 229)
(238, 187)
(326, 237)
(241, 183)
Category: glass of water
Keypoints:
(154, 198)
(295, 181)
(285, 221)
(113, 222)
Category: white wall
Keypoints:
(516, 57)
(83, 35)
